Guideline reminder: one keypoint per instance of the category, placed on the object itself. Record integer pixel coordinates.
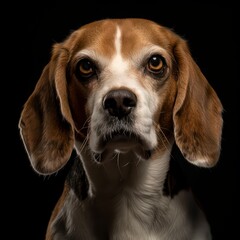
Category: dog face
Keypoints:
(121, 85)
(125, 86)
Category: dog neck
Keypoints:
(123, 194)
(120, 172)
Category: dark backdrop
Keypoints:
(30, 30)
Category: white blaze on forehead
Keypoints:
(118, 66)
(118, 40)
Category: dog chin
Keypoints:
(121, 145)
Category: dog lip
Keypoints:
(122, 141)
(121, 136)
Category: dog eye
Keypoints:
(156, 65)
(85, 69)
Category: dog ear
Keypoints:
(197, 112)
(46, 124)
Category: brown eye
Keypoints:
(156, 65)
(85, 69)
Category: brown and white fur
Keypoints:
(121, 92)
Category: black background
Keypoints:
(28, 32)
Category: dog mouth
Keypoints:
(121, 142)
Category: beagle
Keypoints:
(121, 93)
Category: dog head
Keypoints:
(121, 85)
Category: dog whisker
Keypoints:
(84, 143)
(86, 123)
(117, 155)
(163, 138)
(126, 164)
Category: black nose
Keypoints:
(119, 103)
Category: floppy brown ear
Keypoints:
(197, 112)
(45, 123)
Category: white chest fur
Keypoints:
(137, 210)
(176, 218)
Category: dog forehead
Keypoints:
(131, 34)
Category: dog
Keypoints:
(122, 93)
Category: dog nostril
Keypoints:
(119, 103)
